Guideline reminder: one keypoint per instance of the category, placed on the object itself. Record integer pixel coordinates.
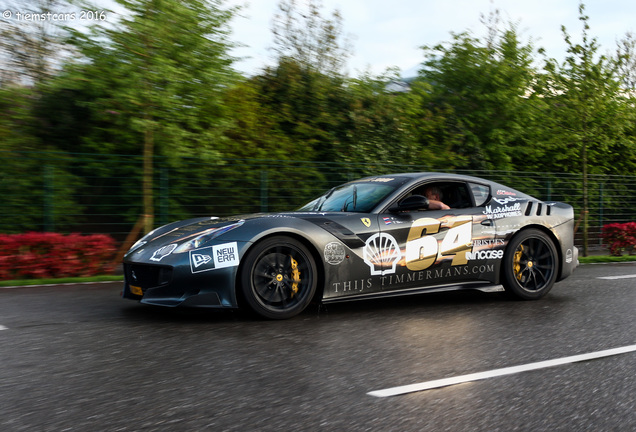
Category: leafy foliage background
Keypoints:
(146, 118)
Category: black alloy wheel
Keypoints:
(278, 277)
(530, 265)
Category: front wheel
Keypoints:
(529, 265)
(278, 278)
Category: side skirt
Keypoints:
(482, 286)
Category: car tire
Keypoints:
(529, 267)
(278, 277)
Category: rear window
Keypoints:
(480, 193)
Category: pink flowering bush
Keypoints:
(50, 255)
(620, 237)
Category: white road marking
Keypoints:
(3, 327)
(395, 391)
(617, 277)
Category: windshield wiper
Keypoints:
(324, 200)
(354, 200)
(355, 196)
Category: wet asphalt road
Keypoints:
(80, 358)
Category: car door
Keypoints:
(440, 247)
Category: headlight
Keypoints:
(205, 237)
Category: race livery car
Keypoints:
(378, 236)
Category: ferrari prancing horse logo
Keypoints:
(366, 222)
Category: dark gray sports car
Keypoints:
(378, 236)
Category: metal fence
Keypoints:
(99, 193)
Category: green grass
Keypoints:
(26, 282)
(606, 259)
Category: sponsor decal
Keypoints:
(163, 252)
(382, 180)
(381, 253)
(391, 220)
(411, 278)
(334, 253)
(225, 255)
(568, 256)
(354, 285)
(485, 254)
(505, 192)
(199, 259)
(214, 257)
(423, 249)
(490, 243)
(503, 212)
(505, 201)
(366, 222)
(440, 273)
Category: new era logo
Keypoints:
(214, 257)
(199, 259)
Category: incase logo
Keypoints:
(484, 254)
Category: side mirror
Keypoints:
(414, 202)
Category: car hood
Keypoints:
(181, 232)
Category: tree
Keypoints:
(480, 86)
(626, 57)
(437, 144)
(256, 139)
(390, 128)
(309, 39)
(162, 71)
(306, 89)
(30, 49)
(39, 193)
(587, 116)
(376, 126)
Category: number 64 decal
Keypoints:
(423, 249)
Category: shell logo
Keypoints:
(381, 253)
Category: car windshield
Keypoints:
(352, 197)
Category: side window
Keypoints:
(481, 193)
(453, 194)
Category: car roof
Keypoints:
(419, 176)
(410, 180)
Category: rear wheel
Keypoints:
(530, 265)
(278, 278)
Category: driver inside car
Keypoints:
(434, 195)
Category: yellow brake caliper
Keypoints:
(516, 265)
(295, 275)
